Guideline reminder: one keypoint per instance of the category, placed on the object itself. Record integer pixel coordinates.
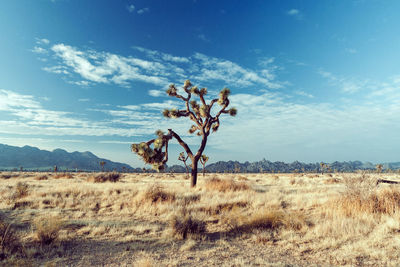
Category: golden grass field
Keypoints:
(78, 219)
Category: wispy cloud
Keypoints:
(130, 8)
(295, 13)
(203, 37)
(156, 68)
(345, 84)
(143, 10)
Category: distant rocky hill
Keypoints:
(32, 158)
(278, 166)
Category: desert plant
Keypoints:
(379, 168)
(47, 229)
(184, 225)
(9, 241)
(224, 185)
(184, 158)
(102, 163)
(105, 177)
(21, 190)
(203, 160)
(157, 193)
(203, 120)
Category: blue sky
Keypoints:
(312, 80)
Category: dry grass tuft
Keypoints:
(9, 241)
(105, 177)
(64, 175)
(144, 262)
(47, 229)
(41, 177)
(225, 185)
(385, 201)
(8, 175)
(268, 219)
(21, 190)
(332, 181)
(184, 225)
(157, 193)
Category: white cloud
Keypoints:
(83, 99)
(156, 93)
(302, 93)
(42, 41)
(211, 68)
(130, 8)
(202, 37)
(158, 68)
(39, 50)
(143, 10)
(295, 13)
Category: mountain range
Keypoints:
(32, 158)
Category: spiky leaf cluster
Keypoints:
(200, 113)
(155, 155)
(203, 159)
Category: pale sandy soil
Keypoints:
(250, 220)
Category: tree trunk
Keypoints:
(193, 181)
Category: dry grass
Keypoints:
(182, 226)
(105, 177)
(41, 177)
(9, 241)
(158, 220)
(156, 193)
(21, 190)
(47, 229)
(64, 175)
(224, 185)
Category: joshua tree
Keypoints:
(379, 168)
(102, 163)
(204, 122)
(184, 158)
(323, 165)
(203, 160)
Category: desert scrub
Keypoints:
(41, 177)
(21, 190)
(185, 225)
(10, 244)
(64, 175)
(8, 175)
(266, 219)
(157, 193)
(105, 177)
(47, 229)
(223, 185)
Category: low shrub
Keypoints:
(41, 177)
(21, 190)
(223, 185)
(47, 229)
(105, 177)
(64, 175)
(9, 242)
(157, 193)
(267, 220)
(186, 225)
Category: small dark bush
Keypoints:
(181, 227)
(105, 177)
